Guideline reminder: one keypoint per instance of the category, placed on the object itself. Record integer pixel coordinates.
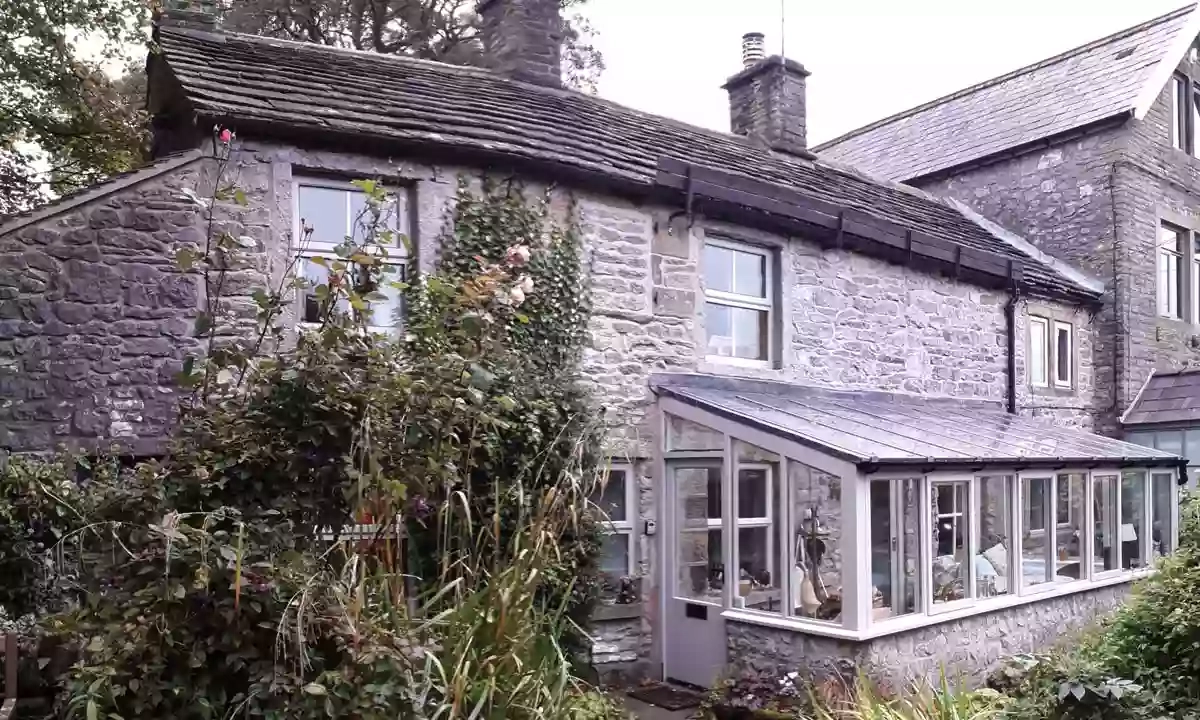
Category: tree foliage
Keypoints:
(68, 116)
(72, 80)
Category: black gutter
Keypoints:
(1010, 323)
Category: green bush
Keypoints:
(218, 583)
(1154, 639)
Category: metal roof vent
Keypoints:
(753, 48)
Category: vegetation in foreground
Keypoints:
(223, 581)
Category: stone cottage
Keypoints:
(830, 449)
(1094, 156)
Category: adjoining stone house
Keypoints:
(1094, 156)
(826, 451)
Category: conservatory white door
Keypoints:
(694, 637)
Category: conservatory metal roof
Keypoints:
(876, 429)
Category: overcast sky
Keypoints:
(868, 58)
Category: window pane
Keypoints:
(718, 268)
(324, 209)
(749, 333)
(1037, 351)
(1191, 448)
(315, 275)
(815, 537)
(894, 549)
(718, 323)
(389, 313)
(1062, 357)
(758, 569)
(610, 497)
(753, 487)
(951, 563)
(1036, 544)
(700, 567)
(614, 557)
(992, 576)
(1104, 513)
(1163, 520)
(750, 274)
(1134, 535)
(1195, 121)
(1068, 546)
(1177, 87)
(1170, 441)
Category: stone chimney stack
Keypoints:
(766, 99)
(203, 15)
(523, 39)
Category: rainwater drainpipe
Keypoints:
(1010, 321)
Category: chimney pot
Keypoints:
(753, 48)
(523, 39)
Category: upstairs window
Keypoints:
(739, 302)
(1185, 114)
(1064, 352)
(337, 211)
(1172, 242)
(1039, 351)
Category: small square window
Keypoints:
(337, 213)
(739, 302)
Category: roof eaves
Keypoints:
(102, 189)
(1021, 245)
(1012, 74)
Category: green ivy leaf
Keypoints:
(314, 688)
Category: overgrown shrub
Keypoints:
(220, 582)
(1154, 639)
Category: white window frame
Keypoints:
(1169, 302)
(1042, 380)
(741, 523)
(749, 302)
(928, 553)
(625, 527)
(304, 250)
(1067, 362)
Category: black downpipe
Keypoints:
(1010, 320)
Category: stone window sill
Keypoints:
(917, 621)
(612, 611)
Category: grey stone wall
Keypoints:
(1156, 181)
(1059, 199)
(968, 648)
(95, 319)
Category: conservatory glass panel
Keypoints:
(1037, 521)
(950, 518)
(1070, 491)
(895, 547)
(815, 536)
(699, 561)
(1104, 522)
(993, 513)
(1162, 517)
(757, 521)
(686, 435)
(1134, 532)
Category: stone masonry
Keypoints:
(100, 322)
(971, 646)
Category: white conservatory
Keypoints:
(855, 518)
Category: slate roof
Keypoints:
(1166, 398)
(871, 428)
(1101, 80)
(272, 85)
